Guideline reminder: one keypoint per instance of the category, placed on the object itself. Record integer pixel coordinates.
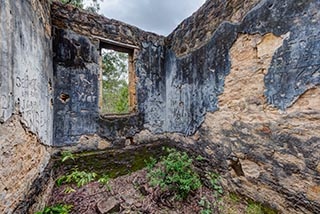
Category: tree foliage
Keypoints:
(94, 5)
(115, 82)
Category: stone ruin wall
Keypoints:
(241, 77)
(78, 37)
(237, 82)
(254, 71)
(25, 97)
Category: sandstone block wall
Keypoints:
(26, 87)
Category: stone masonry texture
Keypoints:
(26, 111)
(241, 75)
(237, 82)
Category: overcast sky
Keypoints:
(159, 16)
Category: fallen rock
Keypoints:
(111, 205)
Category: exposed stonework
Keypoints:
(241, 77)
(22, 159)
(90, 24)
(276, 150)
(199, 28)
(26, 88)
(195, 80)
(250, 59)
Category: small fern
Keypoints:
(69, 190)
(79, 177)
(66, 155)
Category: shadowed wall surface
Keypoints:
(237, 82)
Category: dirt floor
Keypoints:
(132, 194)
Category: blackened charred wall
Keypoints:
(77, 38)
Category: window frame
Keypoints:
(131, 51)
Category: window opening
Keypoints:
(117, 80)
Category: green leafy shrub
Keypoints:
(175, 173)
(79, 177)
(206, 206)
(215, 180)
(57, 209)
(150, 163)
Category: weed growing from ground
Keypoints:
(79, 177)
(254, 208)
(257, 208)
(175, 173)
(234, 198)
(206, 206)
(104, 180)
(69, 190)
(65, 155)
(57, 209)
(215, 182)
(150, 163)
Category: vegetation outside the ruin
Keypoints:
(94, 5)
(115, 89)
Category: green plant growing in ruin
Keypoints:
(65, 155)
(215, 180)
(254, 208)
(56, 209)
(69, 190)
(115, 89)
(206, 206)
(150, 163)
(104, 180)
(176, 174)
(257, 208)
(79, 177)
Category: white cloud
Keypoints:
(159, 16)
